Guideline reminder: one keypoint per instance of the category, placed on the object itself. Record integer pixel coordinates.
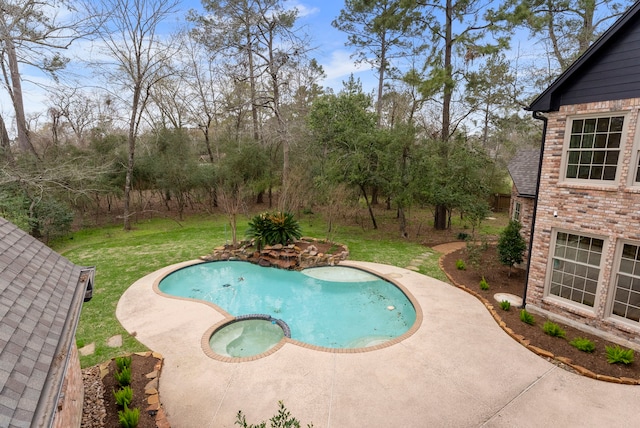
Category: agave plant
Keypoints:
(274, 228)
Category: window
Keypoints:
(576, 268)
(517, 208)
(626, 300)
(594, 148)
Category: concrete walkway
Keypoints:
(458, 370)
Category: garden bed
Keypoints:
(499, 281)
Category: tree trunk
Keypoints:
(5, 143)
(132, 148)
(440, 217)
(24, 142)
(373, 218)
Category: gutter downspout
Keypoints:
(536, 115)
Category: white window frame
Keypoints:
(550, 268)
(517, 211)
(567, 140)
(615, 271)
(635, 159)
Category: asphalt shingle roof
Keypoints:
(524, 171)
(40, 298)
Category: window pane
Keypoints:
(603, 124)
(583, 172)
(589, 126)
(572, 171)
(601, 141)
(574, 157)
(609, 173)
(630, 252)
(575, 141)
(597, 172)
(616, 124)
(577, 126)
(614, 141)
(633, 314)
(598, 157)
(622, 296)
(586, 156)
(587, 141)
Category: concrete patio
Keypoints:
(458, 370)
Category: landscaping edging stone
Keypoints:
(563, 361)
(300, 255)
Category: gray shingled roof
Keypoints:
(524, 171)
(41, 294)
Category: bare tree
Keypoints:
(131, 39)
(33, 33)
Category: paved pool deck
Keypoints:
(459, 369)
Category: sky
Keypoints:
(314, 15)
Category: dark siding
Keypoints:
(613, 73)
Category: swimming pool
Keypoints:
(330, 307)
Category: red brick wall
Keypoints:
(69, 410)
(611, 212)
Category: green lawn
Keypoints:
(123, 257)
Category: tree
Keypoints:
(380, 31)
(238, 171)
(570, 26)
(261, 38)
(511, 245)
(131, 39)
(346, 128)
(455, 29)
(32, 33)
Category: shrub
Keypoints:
(511, 245)
(484, 285)
(617, 354)
(526, 317)
(282, 419)
(129, 417)
(583, 344)
(123, 377)
(505, 305)
(460, 265)
(123, 396)
(274, 228)
(462, 236)
(553, 329)
(122, 363)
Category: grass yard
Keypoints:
(123, 257)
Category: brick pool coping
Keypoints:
(228, 318)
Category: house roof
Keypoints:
(523, 169)
(607, 70)
(41, 294)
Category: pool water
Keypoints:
(246, 338)
(332, 307)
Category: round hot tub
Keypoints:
(248, 335)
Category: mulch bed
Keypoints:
(499, 281)
(140, 367)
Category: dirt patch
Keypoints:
(497, 276)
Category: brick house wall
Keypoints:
(609, 212)
(69, 409)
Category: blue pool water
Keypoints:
(333, 307)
